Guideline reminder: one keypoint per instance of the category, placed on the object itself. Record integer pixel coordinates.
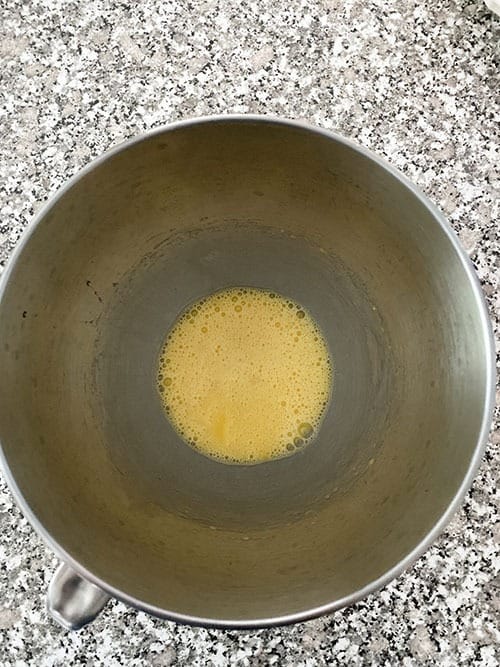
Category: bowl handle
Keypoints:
(73, 601)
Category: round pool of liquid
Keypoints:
(245, 376)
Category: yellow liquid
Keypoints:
(245, 376)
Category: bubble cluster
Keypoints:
(245, 376)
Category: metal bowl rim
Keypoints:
(488, 341)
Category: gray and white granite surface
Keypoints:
(415, 81)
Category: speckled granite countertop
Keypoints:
(414, 81)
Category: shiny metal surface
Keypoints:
(72, 601)
(101, 276)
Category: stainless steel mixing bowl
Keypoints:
(85, 304)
